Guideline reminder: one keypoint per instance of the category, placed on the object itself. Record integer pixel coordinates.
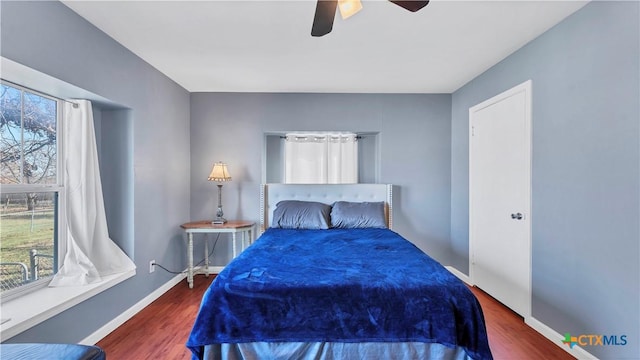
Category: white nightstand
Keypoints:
(245, 228)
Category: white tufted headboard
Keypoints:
(271, 194)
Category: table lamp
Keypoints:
(219, 174)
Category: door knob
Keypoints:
(517, 216)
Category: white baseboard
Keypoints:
(129, 313)
(459, 275)
(136, 308)
(538, 326)
(557, 338)
(212, 269)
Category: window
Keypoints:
(273, 167)
(30, 176)
(321, 158)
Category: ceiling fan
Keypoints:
(326, 12)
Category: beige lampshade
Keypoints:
(349, 7)
(219, 172)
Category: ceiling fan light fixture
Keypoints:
(349, 8)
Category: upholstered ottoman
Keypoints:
(50, 352)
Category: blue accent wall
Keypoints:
(586, 160)
(414, 134)
(50, 38)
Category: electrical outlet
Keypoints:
(152, 266)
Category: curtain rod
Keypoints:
(284, 137)
(75, 104)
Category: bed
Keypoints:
(329, 279)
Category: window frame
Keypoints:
(39, 304)
(60, 243)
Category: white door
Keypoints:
(500, 197)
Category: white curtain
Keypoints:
(321, 158)
(90, 254)
(342, 152)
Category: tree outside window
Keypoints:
(29, 186)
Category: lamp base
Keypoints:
(219, 221)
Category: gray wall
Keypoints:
(116, 174)
(586, 158)
(50, 38)
(414, 144)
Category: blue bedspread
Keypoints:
(338, 285)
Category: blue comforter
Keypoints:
(338, 285)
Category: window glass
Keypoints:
(30, 187)
(28, 238)
(29, 137)
(11, 131)
(39, 136)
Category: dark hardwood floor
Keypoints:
(510, 337)
(161, 329)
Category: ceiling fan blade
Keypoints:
(412, 6)
(323, 19)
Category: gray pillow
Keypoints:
(295, 214)
(349, 215)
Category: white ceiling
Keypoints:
(266, 46)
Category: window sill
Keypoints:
(30, 310)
